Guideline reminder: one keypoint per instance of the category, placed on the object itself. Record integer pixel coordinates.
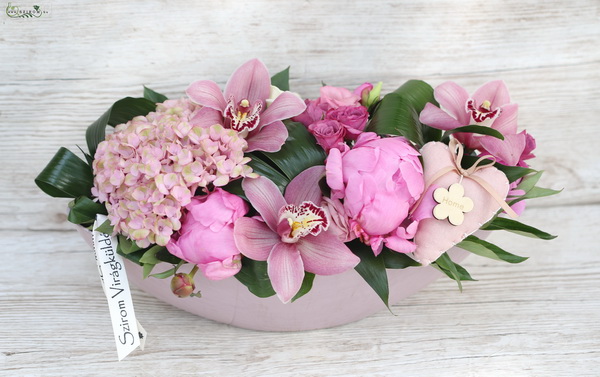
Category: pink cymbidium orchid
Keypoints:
(243, 106)
(294, 235)
(489, 106)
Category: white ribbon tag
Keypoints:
(116, 289)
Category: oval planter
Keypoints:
(333, 301)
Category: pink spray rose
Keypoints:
(336, 97)
(329, 134)
(353, 118)
(315, 111)
(206, 235)
(379, 179)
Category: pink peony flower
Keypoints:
(489, 106)
(150, 167)
(206, 235)
(329, 134)
(339, 219)
(242, 107)
(379, 179)
(293, 237)
(353, 118)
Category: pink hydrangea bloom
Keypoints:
(150, 167)
(206, 235)
(379, 179)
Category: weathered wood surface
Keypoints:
(59, 73)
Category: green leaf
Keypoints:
(105, 228)
(121, 111)
(127, 245)
(165, 274)
(83, 210)
(395, 260)
(474, 129)
(512, 172)
(163, 255)
(501, 223)
(453, 270)
(398, 113)
(66, 176)
(153, 96)
(254, 276)
(299, 152)
(488, 250)
(307, 284)
(372, 269)
(134, 256)
(528, 182)
(539, 192)
(260, 167)
(147, 269)
(150, 255)
(282, 79)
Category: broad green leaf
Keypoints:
(299, 152)
(165, 274)
(134, 256)
(153, 96)
(260, 167)
(474, 129)
(372, 270)
(395, 260)
(121, 111)
(150, 255)
(254, 276)
(488, 250)
(501, 223)
(163, 255)
(307, 284)
(83, 210)
(282, 79)
(398, 113)
(105, 227)
(452, 269)
(66, 176)
(147, 269)
(127, 245)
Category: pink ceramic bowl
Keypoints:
(333, 301)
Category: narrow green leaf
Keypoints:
(147, 269)
(282, 79)
(153, 96)
(66, 176)
(452, 269)
(539, 192)
(474, 129)
(254, 276)
(150, 255)
(529, 181)
(372, 270)
(260, 167)
(105, 228)
(83, 210)
(307, 284)
(501, 223)
(488, 250)
(395, 260)
(165, 274)
(299, 152)
(120, 112)
(512, 172)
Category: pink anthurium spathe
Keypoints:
(489, 106)
(243, 106)
(293, 235)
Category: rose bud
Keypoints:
(182, 285)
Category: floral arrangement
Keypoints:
(256, 184)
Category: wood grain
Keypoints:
(59, 73)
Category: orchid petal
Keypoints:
(507, 151)
(285, 106)
(453, 98)
(435, 117)
(325, 254)
(250, 81)
(253, 238)
(265, 198)
(206, 117)
(305, 186)
(286, 270)
(506, 123)
(494, 91)
(268, 139)
(206, 93)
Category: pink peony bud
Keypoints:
(182, 285)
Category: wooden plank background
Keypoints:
(58, 73)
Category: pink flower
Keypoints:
(242, 107)
(329, 134)
(512, 151)
(363, 92)
(206, 235)
(489, 106)
(315, 111)
(339, 219)
(353, 118)
(293, 237)
(379, 179)
(336, 97)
